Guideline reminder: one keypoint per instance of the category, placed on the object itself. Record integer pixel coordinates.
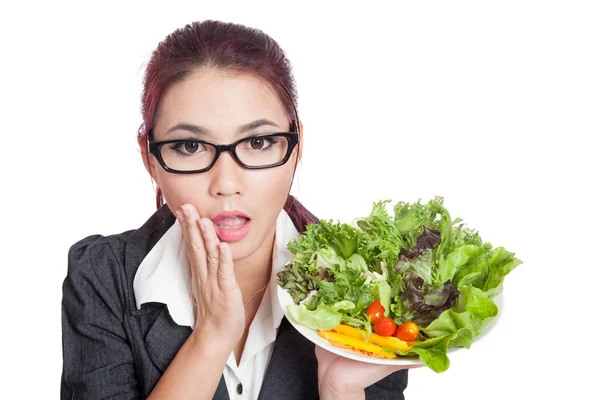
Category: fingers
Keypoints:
(219, 258)
(194, 241)
(211, 260)
(226, 274)
(211, 243)
(342, 374)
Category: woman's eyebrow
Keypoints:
(195, 129)
(202, 131)
(256, 124)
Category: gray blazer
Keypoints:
(113, 350)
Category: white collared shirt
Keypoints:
(164, 277)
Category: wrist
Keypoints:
(206, 341)
(327, 392)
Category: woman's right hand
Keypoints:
(219, 309)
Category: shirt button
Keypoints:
(239, 388)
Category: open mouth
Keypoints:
(232, 227)
(235, 222)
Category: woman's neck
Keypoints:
(253, 272)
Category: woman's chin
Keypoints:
(241, 249)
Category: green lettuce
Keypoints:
(323, 317)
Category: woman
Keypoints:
(185, 306)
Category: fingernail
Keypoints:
(179, 215)
(202, 226)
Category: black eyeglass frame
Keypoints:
(292, 138)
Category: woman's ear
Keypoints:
(148, 164)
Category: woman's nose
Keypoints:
(226, 176)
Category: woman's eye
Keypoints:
(259, 143)
(187, 148)
(191, 147)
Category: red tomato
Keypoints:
(385, 326)
(375, 311)
(408, 331)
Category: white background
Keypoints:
(494, 106)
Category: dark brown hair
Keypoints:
(214, 44)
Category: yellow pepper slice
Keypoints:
(357, 344)
(384, 341)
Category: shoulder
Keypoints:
(96, 267)
(93, 246)
(104, 266)
(97, 253)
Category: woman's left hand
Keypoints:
(343, 378)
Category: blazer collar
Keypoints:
(139, 244)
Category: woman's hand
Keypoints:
(343, 378)
(219, 309)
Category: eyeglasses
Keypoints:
(191, 156)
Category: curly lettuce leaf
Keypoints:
(441, 221)
(327, 258)
(320, 251)
(380, 240)
(347, 284)
(410, 217)
(342, 239)
(500, 263)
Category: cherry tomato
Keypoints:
(375, 311)
(385, 326)
(408, 331)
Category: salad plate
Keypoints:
(419, 285)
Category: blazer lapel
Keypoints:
(163, 341)
(165, 338)
(292, 353)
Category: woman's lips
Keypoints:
(231, 228)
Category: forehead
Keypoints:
(218, 101)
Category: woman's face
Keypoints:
(221, 104)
